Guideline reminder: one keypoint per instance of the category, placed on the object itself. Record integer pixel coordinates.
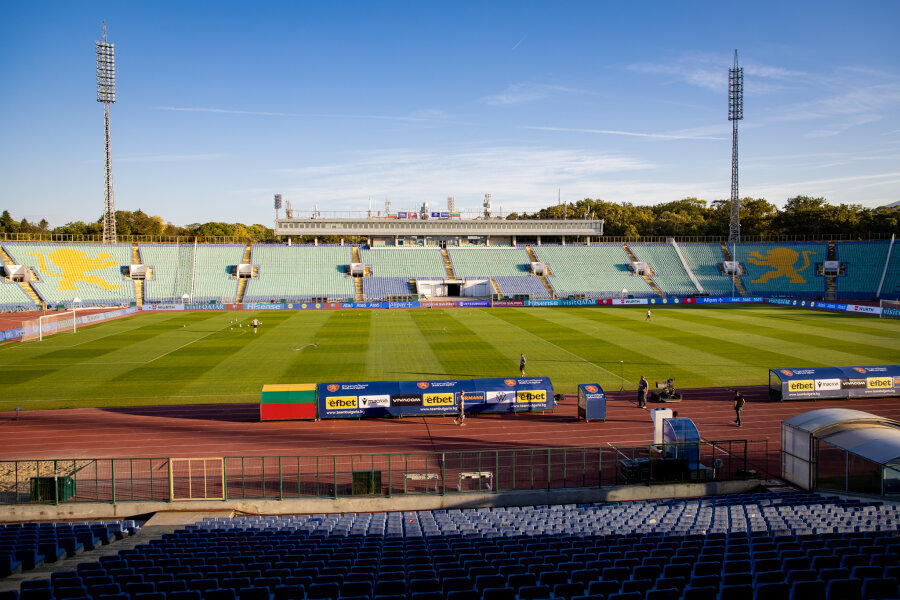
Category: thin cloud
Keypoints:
(519, 93)
(658, 136)
(223, 111)
(420, 116)
(162, 158)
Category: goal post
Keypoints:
(48, 324)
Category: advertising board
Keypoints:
(407, 398)
(814, 383)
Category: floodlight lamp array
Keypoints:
(106, 72)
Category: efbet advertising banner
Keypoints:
(407, 398)
(834, 382)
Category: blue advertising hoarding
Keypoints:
(408, 398)
(812, 383)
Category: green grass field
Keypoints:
(202, 357)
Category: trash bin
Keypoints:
(366, 483)
(51, 489)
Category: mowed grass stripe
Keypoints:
(397, 349)
(72, 380)
(341, 354)
(665, 355)
(569, 356)
(751, 329)
(462, 351)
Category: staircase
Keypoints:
(138, 283)
(447, 264)
(831, 280)
(357, 282)
(646, 276)
(543, 278)
(242, 281)
(496, 288)
(356, 257)
(736, 277)
(25, 285)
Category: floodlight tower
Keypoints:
(735, 114)
(106, 93)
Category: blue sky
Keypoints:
(220, 105)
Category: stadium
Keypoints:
(441, 405)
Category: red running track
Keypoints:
(235, 430)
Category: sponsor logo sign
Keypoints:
(333, 387)
(404, 304)
(163, 307)
(267, 306)
(406, 400)
(591, 389)
(472, 397)
(827, 384)
(801, 385)
(380, 401)
(422, 385)
(509, 303)
(442, 399)
(871, 310)
(500, 397)
(787, 372)
(879, 383)
(510, 382)
(853, 384)
(474, 303)
(341, 402)
(531, 396)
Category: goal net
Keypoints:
(44, 325)
(890, 309)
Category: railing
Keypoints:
(117, 480)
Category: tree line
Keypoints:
(690, 217)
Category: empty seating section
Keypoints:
(489, 262)
(891, 287)
(703, 261)
(213, 272)
(173, 271)
(14, 298)
(596, 271)
(24, 546)
(531, 285)
(380, 288)
(782, 268)
(668, 272)
(89, 272)
(323, 273)
(404, 262)
(279, 274)
(864, 265)
(682, 548)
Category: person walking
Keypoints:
(522, 364)
(738, 406)
(461, 415)
(648, 315)
(642, 392)
(255, 323)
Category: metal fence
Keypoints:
(117, 480)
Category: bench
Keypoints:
(486, 476)
(426, 477)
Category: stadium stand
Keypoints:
(489, 262)
(173, 271)
(404, 262)
(213, 279)
(90, 272)
(783, 268)
(13, 298)
(323, 273)
(711, 547)
(531, 285)
(668, 272)
(703, 261)
(891, 287)
(279, 274)
(595, 271)
(864, 265)
(380, 288)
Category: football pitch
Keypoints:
(214, 357)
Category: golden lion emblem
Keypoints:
(781, 261)
(74, 265)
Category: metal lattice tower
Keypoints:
(735, 114)
(106, 93)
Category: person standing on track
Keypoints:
(522, 364)
(738, 406)
(642, 392)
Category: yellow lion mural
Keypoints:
(781, 261)
(75, 264)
